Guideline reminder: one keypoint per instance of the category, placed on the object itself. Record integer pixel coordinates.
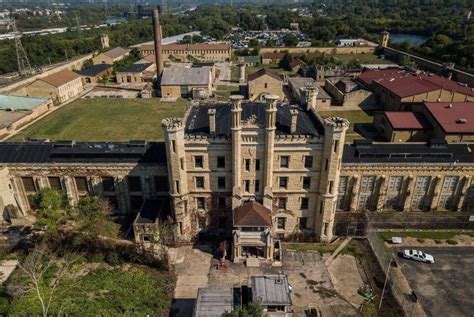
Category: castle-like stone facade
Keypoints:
(221, 156)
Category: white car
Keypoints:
(418, 255)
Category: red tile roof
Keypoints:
(407, 121)
(252, 214)
(453, 118)
(405, 84)
(296, 62)
(261, 72)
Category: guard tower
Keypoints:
(384, 37)
(104, 41)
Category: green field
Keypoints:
(105, 120)
(449, 234)
(362, 58)
(354, 117)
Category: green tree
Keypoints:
(253, 309)
(50, 205)
(290, 40)
(93, 215)
(285, 61)
(407, 61)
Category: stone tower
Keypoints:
(242, 73)
(270, 127)
(177, 178)
(236, 129)
(104, 41)
(334, 134)
(384, 37)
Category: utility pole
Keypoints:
(386, 280)
(24, 67)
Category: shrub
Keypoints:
(114, 259)
(437, 241)
(452, 242)
(420, 240)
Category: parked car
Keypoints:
(417, 255)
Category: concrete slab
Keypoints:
(346, 278)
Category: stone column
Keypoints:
(270, 127)
(242, 78)
(435, 191)
(236, 129)
(121, 188)
(464, 191)
(41, 182)
(354, 193)
(96, 185)
(408, 192)
(70, 189)
(381, 183)
(334, 134)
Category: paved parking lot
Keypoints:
(445, 288)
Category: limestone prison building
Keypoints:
(252, 171)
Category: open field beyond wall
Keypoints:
(105, 120)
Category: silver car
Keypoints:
(418, 255)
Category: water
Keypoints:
(413, 38)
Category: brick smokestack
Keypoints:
(157, 42)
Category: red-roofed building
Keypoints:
(453, 122)
(403, 126)
(400, 90)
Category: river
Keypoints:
(413, 38)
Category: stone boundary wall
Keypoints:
(326, 50)
(74, 64)
(458, 75)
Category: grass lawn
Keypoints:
(439, 235)
(354, 117)
(363, 58)
(105, 120)
(224, 91)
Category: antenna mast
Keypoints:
(24, 67)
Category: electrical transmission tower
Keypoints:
(24, 67)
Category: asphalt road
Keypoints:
(445, 288)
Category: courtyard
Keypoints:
(105, 119)
(329, 288)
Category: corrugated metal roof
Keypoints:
(214, 302)
(271, 290)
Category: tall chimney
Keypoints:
(242, 73)
(212, 121)
(294, 120)
(157, 42)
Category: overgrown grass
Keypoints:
(437, 235)
(322, 248)
(362, 58)
(105, 119)
(138, 291)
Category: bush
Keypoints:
(114, 259)
(420, 240)
(437, 241)
(452, 242)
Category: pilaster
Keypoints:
(354, 193)
(436, 188)
(270, 127)
(464, 191)
(381, 191)
(407, 194)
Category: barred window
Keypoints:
(450, 183)
(304, 203)
(367, 183)
(422, 183)
(55, 183)
(395, 183)
(28, 184)
(343, 182)
(81, 184)
(108, 184)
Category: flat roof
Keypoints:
(82, 152)
(271, 290)
(198, 119)
(367, 152)
(19, 102)
(453, 117)
(407, 120)
(214, 302)
(9, 117)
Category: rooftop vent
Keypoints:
(461, 120)
(437, 144)
(64, 143)
(449, 106)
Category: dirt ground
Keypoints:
(346, 278)
(462, 241)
